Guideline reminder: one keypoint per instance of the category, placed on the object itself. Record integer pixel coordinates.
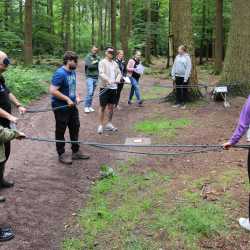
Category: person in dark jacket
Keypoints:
(91, 70)
(122, 66)
(6, 118)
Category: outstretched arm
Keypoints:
(242, 127)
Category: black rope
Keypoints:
(202, 148)
(42, 110)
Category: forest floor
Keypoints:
(190, 202)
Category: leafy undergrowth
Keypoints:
(161, 127)
(28, 83)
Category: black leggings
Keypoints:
(119, 90)
(181, 92)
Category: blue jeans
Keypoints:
(135, 89)
(91, 86)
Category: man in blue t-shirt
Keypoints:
(63, 91)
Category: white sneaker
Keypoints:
(100, 130)
(91, 109)
(244, 223)
(87, 110)
(110, 127)
(183, 107)
(176, 106)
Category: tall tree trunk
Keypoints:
(203, 31)
(28, 33)
(181, 21)
(113, 23)
(74, 24)
(130, 17)
(219, 36)
(100, 26)
(79, 24)
(62, 20)
(6, 19)
(170, 38)
(50, 13)
(67, 8)
(93, 22)
(123, 27)
(21, 15)
(106, 16)
(148, 33)
(237, 63)
(155, 22)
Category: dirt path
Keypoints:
(47, 194)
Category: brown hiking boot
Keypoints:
(65, 159)
(79, 156)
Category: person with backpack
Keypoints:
(122, 66)
(134, 69)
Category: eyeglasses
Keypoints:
(6, 62)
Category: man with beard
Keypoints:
(63, 91)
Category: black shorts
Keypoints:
(107, 96)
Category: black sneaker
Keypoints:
(129, 103)
(79, 156)
(65, 159)
(6, 184)
(140, 104)
(6, 234)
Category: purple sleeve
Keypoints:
(243, 123)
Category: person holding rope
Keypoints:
(6, 135)
(181, 72)
(91, 70)
(134, 73)
(122, 66)
(241, 129)
(109, 78)
(63, 91)
(6, 118)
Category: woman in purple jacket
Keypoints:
(241, 129)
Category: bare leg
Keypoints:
(102, 115)
(110, 112)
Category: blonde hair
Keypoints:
(120, 51)
(183, 47)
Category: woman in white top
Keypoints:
(180, 73)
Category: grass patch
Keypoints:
(28, 83)
(118, 207)
(187, 224)
(72, 244)
(161, 127)
(155, 92)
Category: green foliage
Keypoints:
(117, 205)
(72, 244)
(28, 83)
(162, 127)
(10, 42)
(188, 224)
